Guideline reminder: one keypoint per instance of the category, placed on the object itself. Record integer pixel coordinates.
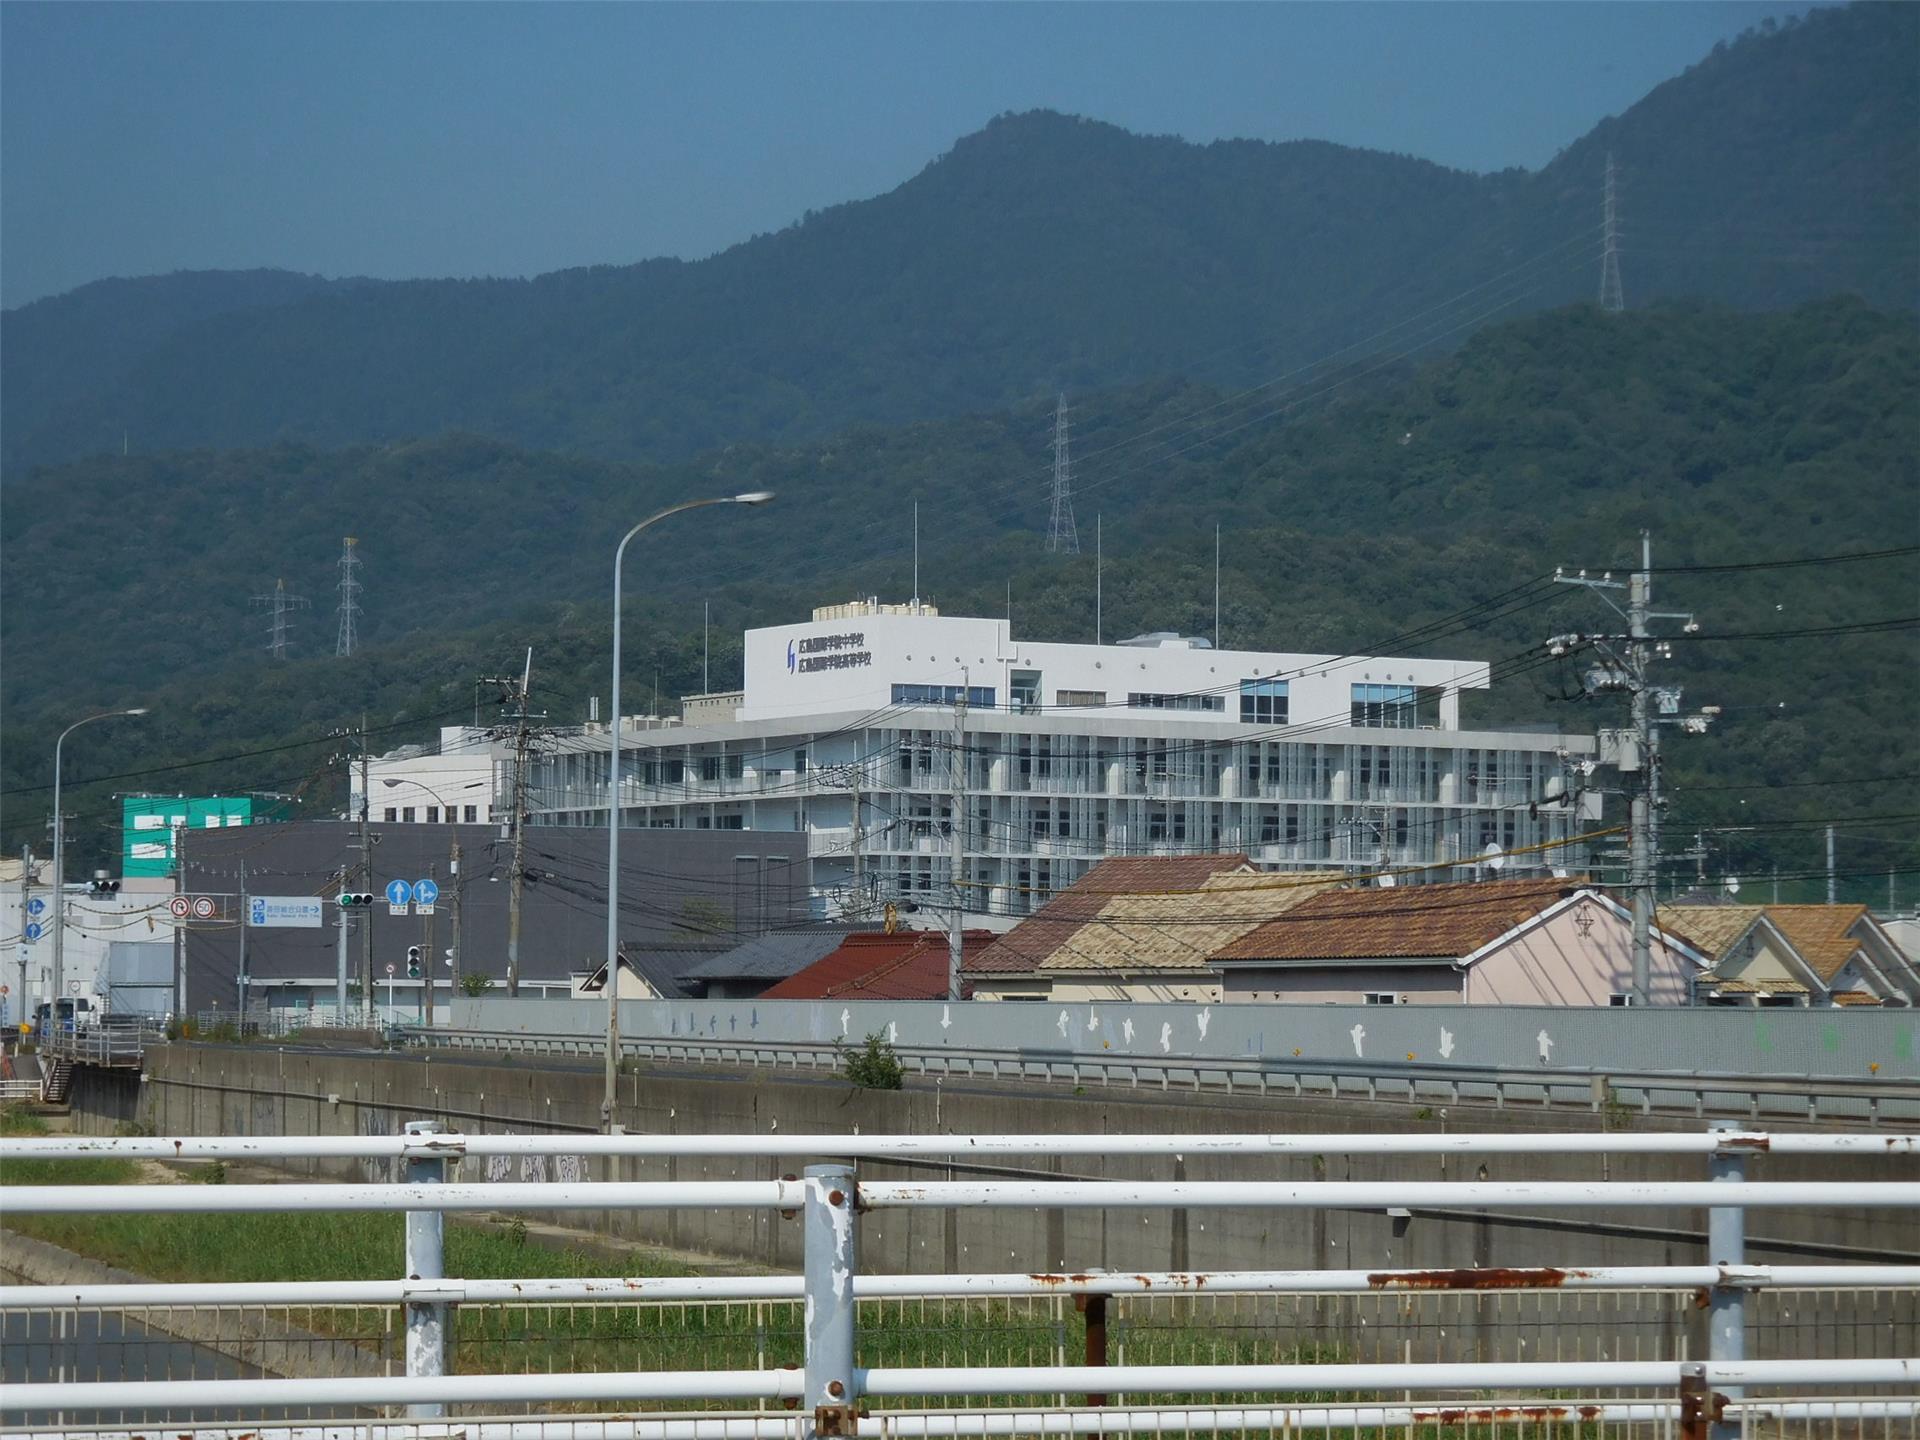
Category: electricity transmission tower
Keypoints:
(1062, 537)
(1611, 300)
(279, 604)
(347, 639)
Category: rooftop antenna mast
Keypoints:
(1062, 538)
(1611, 300)
(916, 557)
(347, 640)
(278, 605)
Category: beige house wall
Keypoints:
(1555, 964)
(1759, 955)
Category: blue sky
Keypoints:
(413, 139)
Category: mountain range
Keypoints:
(1045, 252)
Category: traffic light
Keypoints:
(413, 962)
(100, 885)
(354, 899)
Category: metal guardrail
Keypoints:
(121, 1046)
(1699, 1094)
(1707, 1398)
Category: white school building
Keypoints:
(1073, 753)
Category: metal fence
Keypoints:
(1756, 1098)
(1739, 1350)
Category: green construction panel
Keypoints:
(149, 824)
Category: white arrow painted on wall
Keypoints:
(893, 1032)
(1203, 1019)
(1446, 1043)
(946, 1017)
(1093, 1020)
(1545, 1042)
(1061, 1023)
(1359, 1034)
(846, 1019)
(1126, 1030)
(1166, 1036)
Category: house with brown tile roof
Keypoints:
(1544, 941)
(1805, 955)
(1139, 928)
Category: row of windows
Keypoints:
(404, 815)
(979, 696)
(1139, 701)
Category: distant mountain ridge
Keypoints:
(1042, 252)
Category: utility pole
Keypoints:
(1611, 299)
(240, 975)
(340, 977)
(26, 901)
(454, 882)
(1062, 537)
(958, 838)
(426, 957)
(1639, 589)
(1216, 585)
(1625, 663)
(521, 730)
(366, 859)
(859, 838)
(1833, 879)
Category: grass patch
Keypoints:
(18, 1121)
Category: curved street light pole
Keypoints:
(60, 864)
(754, 497)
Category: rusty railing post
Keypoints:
(1726, 1246)
(829, 1398)
(1094, 1307)
(426, 1260)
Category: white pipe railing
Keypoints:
(882, 1147)
(789, 1288)
(979, 1380)
(949, 1194)
(833, 1201)
(1186, 1420)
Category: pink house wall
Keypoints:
(1554, 964)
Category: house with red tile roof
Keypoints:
(906, 965)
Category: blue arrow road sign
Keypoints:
(36, 907)
(399, 892)
(425, 891)
(35, 930)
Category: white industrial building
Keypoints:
(1157, 745)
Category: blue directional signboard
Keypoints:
(425, 892)
(37, 906)
(35, 930)
(399, 892)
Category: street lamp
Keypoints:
(752, 497)
(60, 859)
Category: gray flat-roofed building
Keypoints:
(680, 890)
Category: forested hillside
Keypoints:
(1355, 508)
(1042, 253)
